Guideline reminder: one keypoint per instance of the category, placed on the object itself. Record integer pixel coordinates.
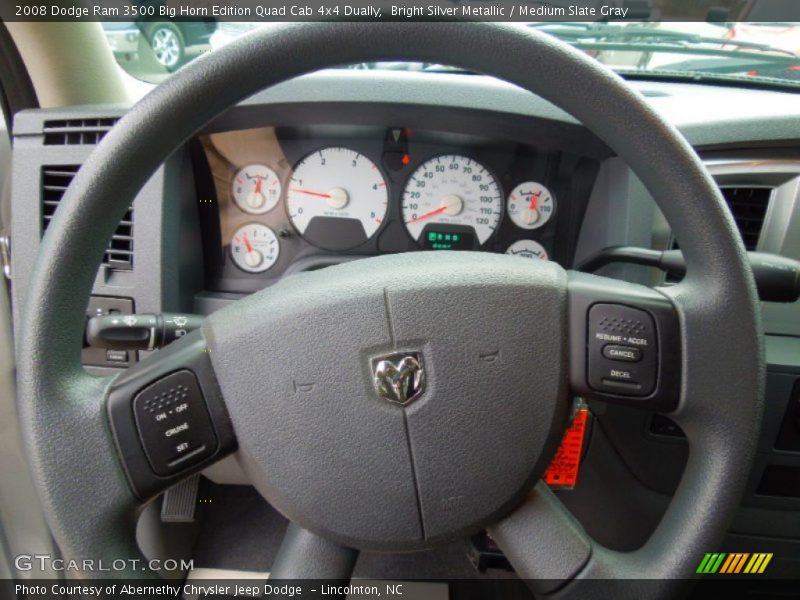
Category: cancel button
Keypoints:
(623, 353)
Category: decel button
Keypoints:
(623, 353)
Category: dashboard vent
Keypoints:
(76, 132)
(749, 207)
(55, 180)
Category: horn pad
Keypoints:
(393, 402)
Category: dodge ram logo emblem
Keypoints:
(398, 377)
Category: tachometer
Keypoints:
(337, 198)
(256, 189)
(451, 194)
(254, 248)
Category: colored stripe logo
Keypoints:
(734, 563)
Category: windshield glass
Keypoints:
(755, 53)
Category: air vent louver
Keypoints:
(75, 132)
(55, 180)
(749, 207)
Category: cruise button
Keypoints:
(622, 353)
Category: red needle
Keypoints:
(259, 181)
(248, 246)
(309, 192)
(428, 214)
(534, 199)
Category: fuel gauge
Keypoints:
(254, 248)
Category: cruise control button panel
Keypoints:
(622, 350)
(173, 423)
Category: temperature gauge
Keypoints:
(530, 205)
(254, 248)
(527, 249)
(256, 189)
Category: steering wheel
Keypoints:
(297, 376)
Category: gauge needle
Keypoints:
(534, 200)
(428, 214)
(259, 181)
(248, 246)
(309, 192)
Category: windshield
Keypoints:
(745, 53)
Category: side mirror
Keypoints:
(638, 10)
(718, 15)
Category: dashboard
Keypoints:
(295, 198)
(222, 218)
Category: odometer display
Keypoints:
(446, 240)
(452, 190)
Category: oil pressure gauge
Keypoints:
(254, 248)
(256, 189)
(530, 205)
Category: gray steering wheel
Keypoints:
(349, 469)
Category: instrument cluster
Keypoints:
(300, 198)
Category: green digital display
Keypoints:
(447, 240)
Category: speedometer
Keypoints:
(337, 198)
(451, 196)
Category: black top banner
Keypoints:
(400, 10)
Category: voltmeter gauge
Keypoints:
(527, 249)
(254, 248)
(530, 205)
(256, 189)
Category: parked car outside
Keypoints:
(123, 39)
(165, 42)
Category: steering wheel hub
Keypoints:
(489, 391)
(399, 377)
